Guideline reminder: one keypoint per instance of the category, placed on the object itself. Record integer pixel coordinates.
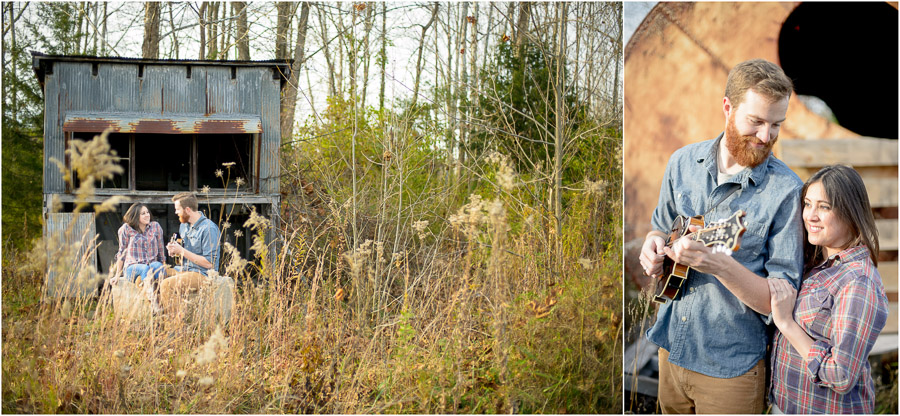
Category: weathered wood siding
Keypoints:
(162, 91)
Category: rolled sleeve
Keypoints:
(785, 242)
(785, 245)
(161, 248)
(209, 245)
(665, 212)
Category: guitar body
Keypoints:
(674, 274)
(723, 236)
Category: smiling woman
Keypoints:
(820, 352)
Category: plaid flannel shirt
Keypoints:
(842, 307)
(136, 247)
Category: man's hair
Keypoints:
(187, 200)
(850, 204)
(761, 76)
(133, 215)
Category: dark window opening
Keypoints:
(119, 143)
(179, 162)
(215, 150)
(162, 162)
(846, 55)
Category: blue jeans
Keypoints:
(145, 271)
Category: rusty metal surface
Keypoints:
(153, 123)
(162, 97)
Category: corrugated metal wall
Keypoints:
(61, 279)
(163, 90)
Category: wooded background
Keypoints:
(535, 81)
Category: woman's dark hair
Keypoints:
(133, 215)
(850, 203)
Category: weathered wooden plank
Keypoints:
(888, 272)
(163, 124)
(882, 191)
(887, 233)
(166, 198)
(864, 151)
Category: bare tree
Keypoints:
(434, 11)
(150, 49)
(289, 101)
(282, 26)
(201, 14)
(326, 50)
(382, 56)
(239, 9)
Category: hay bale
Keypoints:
(129, 302)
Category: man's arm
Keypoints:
(747, 286)
(195, 258)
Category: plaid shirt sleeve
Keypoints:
(124, 239)
(855, 323)
(158, 240)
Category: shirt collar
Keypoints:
(196, 223)
(851, 254)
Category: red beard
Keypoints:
(184, 218)
(740, 146)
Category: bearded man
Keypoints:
(200, 251)
(712, 335)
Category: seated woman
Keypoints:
(820, 353)
(141, 251)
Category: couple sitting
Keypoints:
(141, 252)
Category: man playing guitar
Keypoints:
(712, 335)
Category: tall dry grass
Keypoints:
(452, 298)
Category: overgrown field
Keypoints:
(400, 283)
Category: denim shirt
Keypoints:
(707, 329)
(201, 238)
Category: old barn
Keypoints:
(174, 124)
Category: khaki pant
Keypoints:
(172, 289)
(685, 391)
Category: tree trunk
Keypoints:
(289, 102)
(470, 85)
(281, 30)
(618, 48)
(171, 22)
(326, 50)
(367, 54)
(383, 54)
(103, 44)
(435, 6)
(213, 15)
(202, 16)
(243, 40)
(560, 128)
(522, 28)
(225, 29)
(150, 49)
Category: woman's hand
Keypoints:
(782, 297)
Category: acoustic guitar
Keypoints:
(723, 236)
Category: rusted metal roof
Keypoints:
(167, 124)
(42, 64)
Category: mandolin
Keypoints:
(723, 236)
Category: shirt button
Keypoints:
(683, 318)
(692, 290)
